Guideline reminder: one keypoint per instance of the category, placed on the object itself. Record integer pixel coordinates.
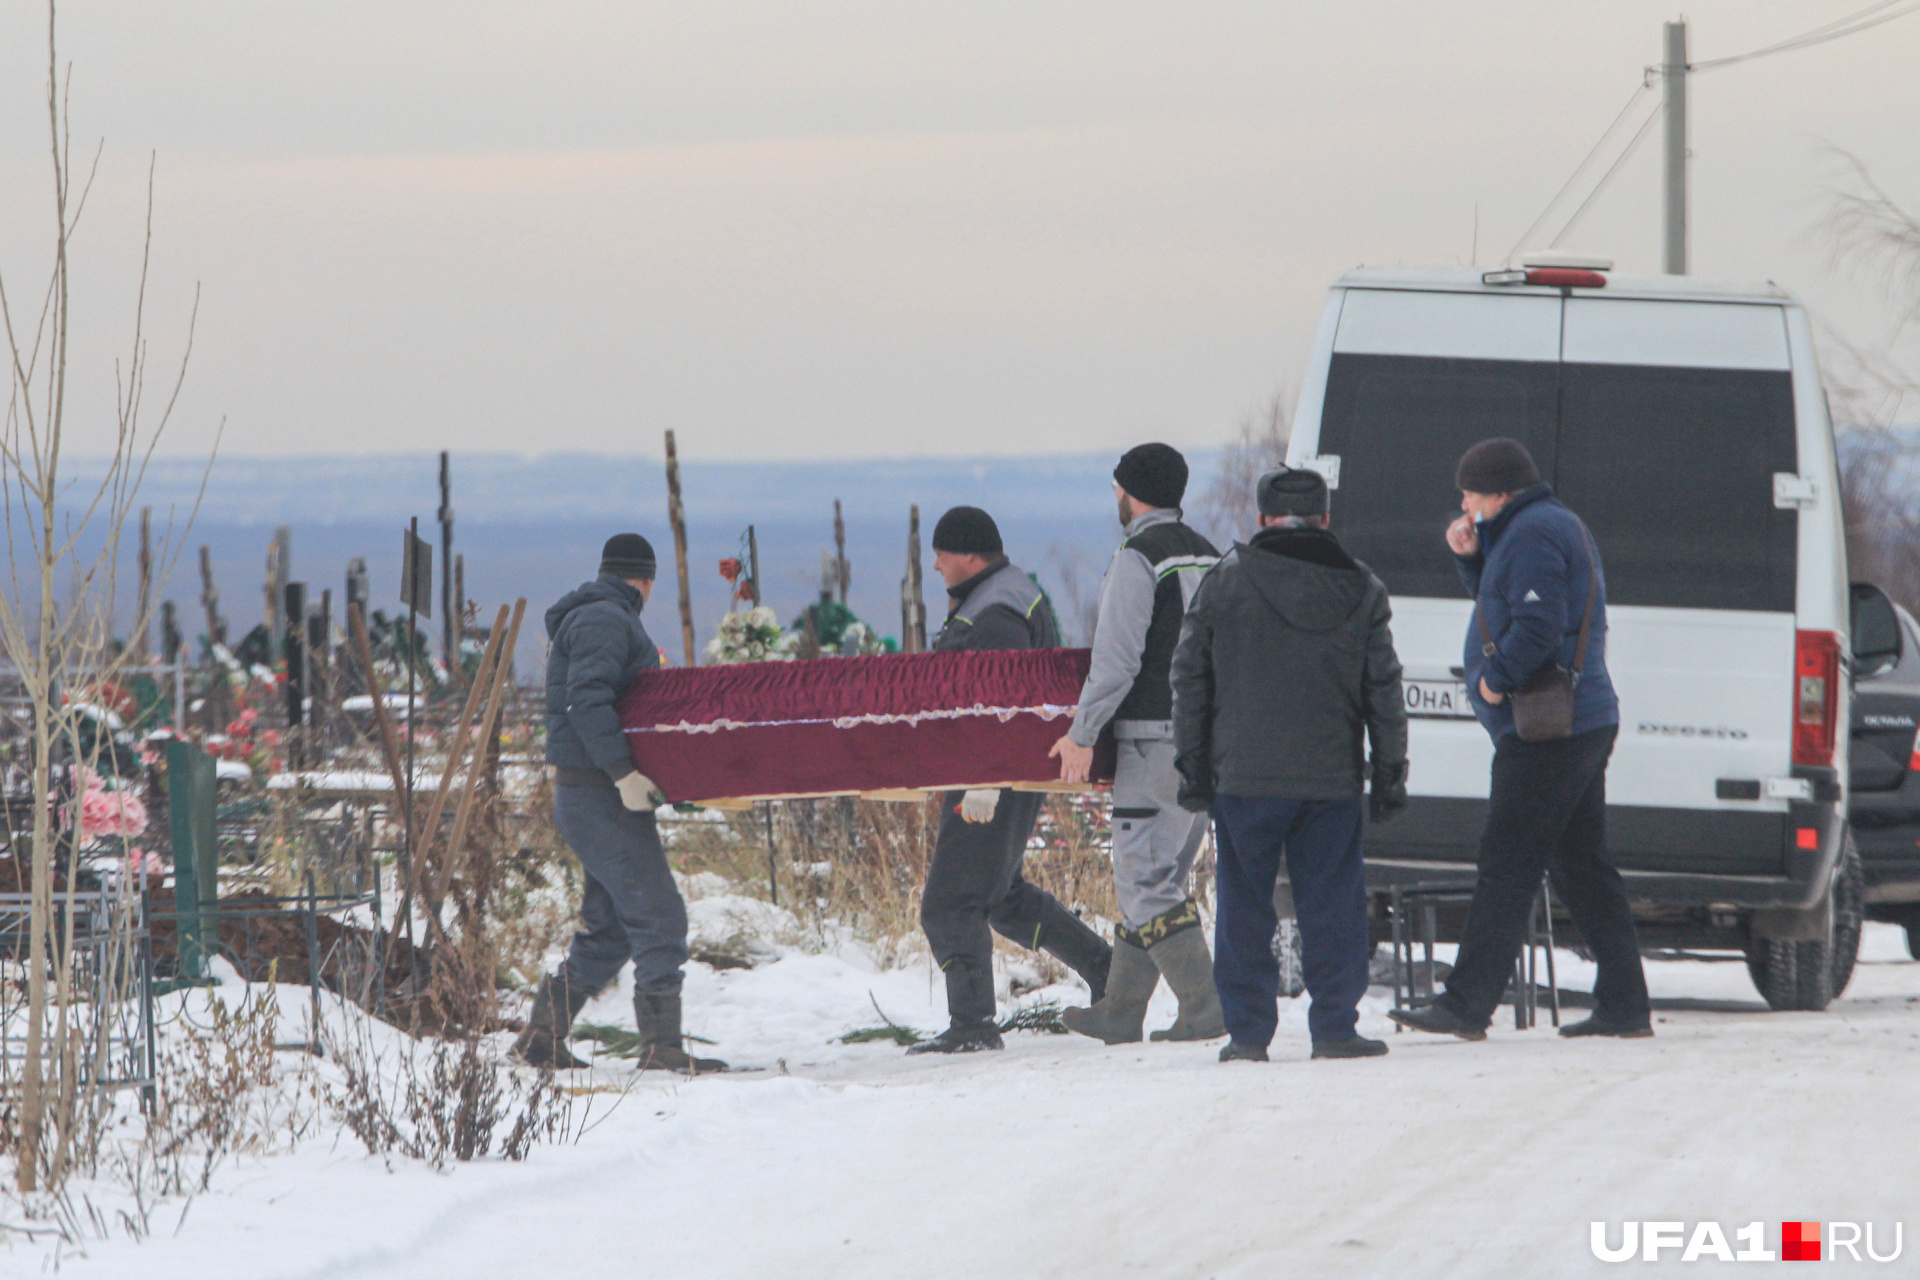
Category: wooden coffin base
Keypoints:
(900, 795)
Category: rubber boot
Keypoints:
(657, 1014)
(1118, 1018)
(970, 1010)
(1066, 938)
(544, 1041)
(1182, 957)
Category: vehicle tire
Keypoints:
(1849, 914)
(1913, 937)
(1809, 975)
(1286, 949)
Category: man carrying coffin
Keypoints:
(604, 807)
(1153, 577)
(974, 886)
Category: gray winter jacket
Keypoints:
(1285, 666)
(1143, 599)
(998, 608)
(596, 647)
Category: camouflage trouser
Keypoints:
(1154, 839)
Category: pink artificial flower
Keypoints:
(110, 813)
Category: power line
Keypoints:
(1860, 20)
(1581, 168)
(1873, 15)
(1632, 146)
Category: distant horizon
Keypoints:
(834, 459)
(533, 526)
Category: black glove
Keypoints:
(1389, 794)
(1196, 788)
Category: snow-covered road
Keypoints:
(1060, 1157)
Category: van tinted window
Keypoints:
(1673, 471)
(1399, 425)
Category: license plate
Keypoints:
(1438, 699)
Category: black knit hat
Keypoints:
(967, 531)
(1292, 491)
(1498, 465)
(628, 555)
(1155, 474)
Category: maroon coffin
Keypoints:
(855, 724)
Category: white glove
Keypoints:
(978, 805)
(638, 792)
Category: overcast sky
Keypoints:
(791, 229)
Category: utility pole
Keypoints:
(1673, 74)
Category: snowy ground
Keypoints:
(1060, 1157)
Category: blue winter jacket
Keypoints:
(1531, 579)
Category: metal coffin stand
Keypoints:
(1413, 910)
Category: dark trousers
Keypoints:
(1321, 842)
(632, 908)
(1547, 815)
(974, 889)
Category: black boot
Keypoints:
(657, 1014)
(968, 1037)
(544, 1041)
(1241, 1051)
(1438, 1019)
(1066, 938)
(1355, 1046)
(1635, 1029)
(970, 1009)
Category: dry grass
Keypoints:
(847, 867)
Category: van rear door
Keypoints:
(1674, 418)
(1414, 379)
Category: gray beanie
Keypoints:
(628, 555)
(1292, 491)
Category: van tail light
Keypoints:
(1816, 675)
(1559, 277)
(1567, 278)
(1914, 762)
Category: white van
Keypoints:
(1685, 422)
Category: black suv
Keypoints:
(1884, 765)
